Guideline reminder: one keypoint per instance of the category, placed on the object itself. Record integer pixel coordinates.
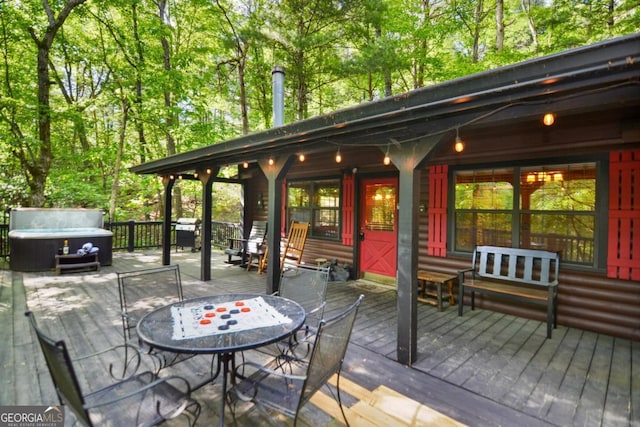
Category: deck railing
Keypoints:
(134, 235)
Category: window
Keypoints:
(551, 207)
(318, 203)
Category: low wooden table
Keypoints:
(438, 279)
(77, 262)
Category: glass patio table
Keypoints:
(222, 325)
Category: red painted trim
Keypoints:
(623, 259)
(348, 202)
(437, 238)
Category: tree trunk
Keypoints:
(170, 118)
(499, 25)
(116, 170)
(38, 163)
(526, 6)
(139, 122)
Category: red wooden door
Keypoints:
(378, 227)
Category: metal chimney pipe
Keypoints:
(277, 82)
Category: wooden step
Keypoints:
(382, 407)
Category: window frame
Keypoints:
(312, 209)
(600, 212)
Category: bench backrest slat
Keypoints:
(532, 266)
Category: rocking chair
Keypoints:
(292, 246)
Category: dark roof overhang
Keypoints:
(604, 75)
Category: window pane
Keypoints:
(465, 232)
(559, 188)
(557, 209)
(482, 229)
(380, 207)
(558, 205)
(571, 235)
(299, 215)
(299, 195)
(317, 203)
(328, 196)
(325, 223)
(484, 189)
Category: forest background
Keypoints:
(92, 87)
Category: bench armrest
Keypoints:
(461, 274)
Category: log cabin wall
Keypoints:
(256, 188)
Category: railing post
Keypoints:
(132, 236)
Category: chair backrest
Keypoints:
(257, 236)
(308, 287)
(144, 290)
(62, 373)
(329, 349)
(295, 242)
(530, 266)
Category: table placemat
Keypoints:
(204, 319)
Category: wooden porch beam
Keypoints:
(275, 173)
(206, 178)
(168, 182)
(407, 157)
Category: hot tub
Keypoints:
(36, 235)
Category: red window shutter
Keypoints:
(348, 201)
(437, 242)
(283, 221)
(624, 215)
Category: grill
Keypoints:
(188, 233)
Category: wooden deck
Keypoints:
(482, 369)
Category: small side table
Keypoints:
(438, 279)
(77, 262)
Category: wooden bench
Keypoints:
(523, 274)
(438, 279)
(77, 262)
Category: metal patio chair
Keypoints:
(142, 291)
(308, 287)
(285, 386)
(130, 399)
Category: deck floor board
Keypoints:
(484, 368)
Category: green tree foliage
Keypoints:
(93, 87)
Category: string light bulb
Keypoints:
(387, 159)
(301, 157)
(548, 119)
(459, 145)
(245, 165)
(271, 161)
(338, 156)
